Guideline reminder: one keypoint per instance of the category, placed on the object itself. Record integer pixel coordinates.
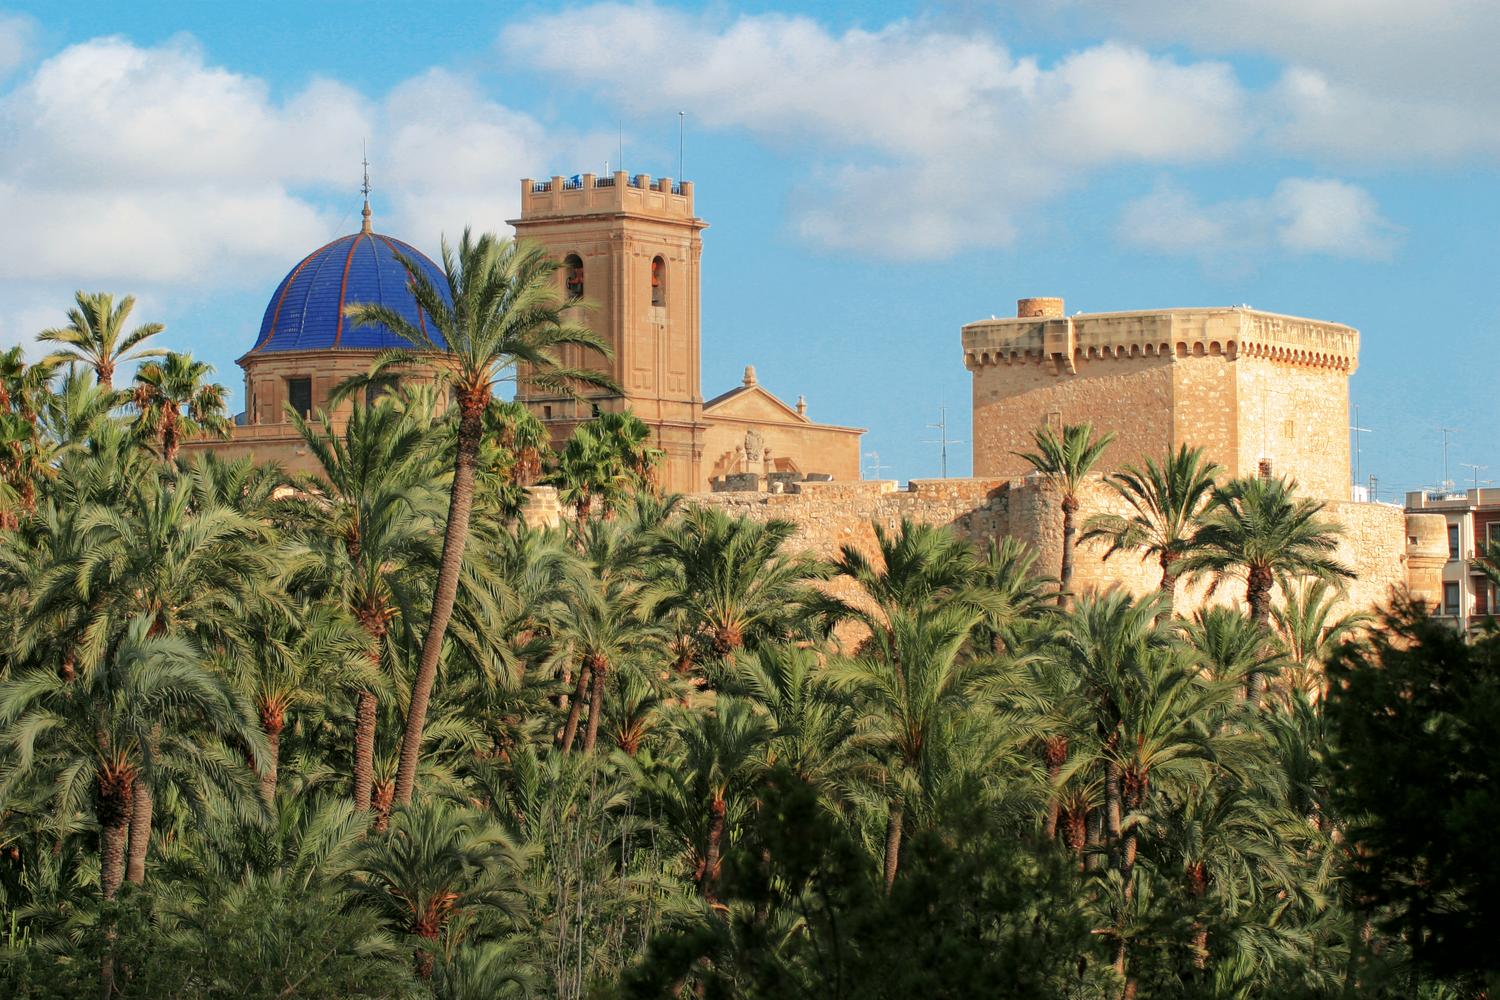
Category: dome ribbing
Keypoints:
(307, 311)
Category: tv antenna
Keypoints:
(1475, 469)
(943, 439)
(1447, 482)
(1357, 431)
(875, 468)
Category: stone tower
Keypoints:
(631, 248)
(1261, 393)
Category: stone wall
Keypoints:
(831, 515)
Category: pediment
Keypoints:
(751, 402)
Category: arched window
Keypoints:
(658, 281)
(573, 276)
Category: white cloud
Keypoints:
(934, 141)
(16, 33)
(1301, 216)
(1361, 80)
(452, 156)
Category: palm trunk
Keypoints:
(1168, 582)
(112, 837)
(1094, 826)
(141, 809)
(268, 774)
(715, 845)
(892, 845)
(1112, 815)
(575, 709)
(364, 749)
(1056, 750)
(596, 706)
(1065, 577)
(1258, 596)
(142, 806)
(455, 539)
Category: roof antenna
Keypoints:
(365, 160)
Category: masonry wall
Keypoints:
(831, 515)
(1297, 418)
(1132, 396)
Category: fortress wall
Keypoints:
(1204, 413)
(1130, 395)
(829, 515)
(1298, 417)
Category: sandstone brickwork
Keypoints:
(1253, 389)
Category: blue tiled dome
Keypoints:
(307, 311)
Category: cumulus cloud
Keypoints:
(16, 33)
(1301, 216)
(1361, 80)
(933, 141)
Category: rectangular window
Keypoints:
(547, 411)
(299, 395)
(1452, 541)
(1482, 599)
(1450, 598)
(378, 391)
(1492, 532)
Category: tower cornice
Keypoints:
(1169, 333)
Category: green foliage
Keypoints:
(663, 760)
(1415, 715)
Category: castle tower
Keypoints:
(1261, 393)
(630, 247)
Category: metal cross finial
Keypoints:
(365, 187)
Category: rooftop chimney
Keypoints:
(1043, 308)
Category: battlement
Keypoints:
(1046, 336)
(617, 194)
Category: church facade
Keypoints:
(630, 249)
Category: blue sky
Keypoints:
(874, 175)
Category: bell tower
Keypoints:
(630, 248)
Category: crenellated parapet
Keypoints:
(1047, 336)
(617, 193)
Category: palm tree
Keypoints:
(92, 738)
(917, 566)
(599, 623)
(915, 692)
(1310, 630)
(813, 725)
(439, 866)
(95, 335)
(296, 654)
(1229, 646)
(512, 453)
(500, 310)
(702, 788)
(175, 402)
(1100, 641)
(372, 515)
(730, 580)
(1167, 503)
(1063, 461)
(1012, 590)
(1261, 528)
(590, 468)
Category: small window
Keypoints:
(1452, 541)
(658, 281)
(299, 395)
(1492, 532)
(547, 411)
(594, 409)
(1265, 468)
(1450, 599)
(573, 276)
